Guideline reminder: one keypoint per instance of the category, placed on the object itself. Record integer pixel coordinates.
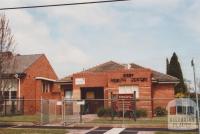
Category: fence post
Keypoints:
(112, 112)
(62, 110)
(123, 110)
(41, 110)
(5, 107)
(134, 103)
(22, 106)
(64, 113)
(80, 113)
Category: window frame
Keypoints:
(46, 86)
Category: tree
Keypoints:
(7, 44)
(174, 69)
(167, 66)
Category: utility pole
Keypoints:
(197, 99)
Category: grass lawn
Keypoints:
(20, 118)
(32, 131)
(142, 121)
(176, 133)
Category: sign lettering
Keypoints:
(128, 77)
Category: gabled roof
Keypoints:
(19, 63)
(111, 66)
(108, 66)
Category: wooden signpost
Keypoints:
(124, 103)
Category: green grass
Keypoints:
(141, 121)
(176, 133)
(20, 118)
(32, 131)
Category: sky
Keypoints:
(73, 38)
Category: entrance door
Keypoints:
(91, 103)
(68, 94)
(92, 96)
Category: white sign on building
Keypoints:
(129, 90)
(79, 81)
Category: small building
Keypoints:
(28, 77)
(152, 88)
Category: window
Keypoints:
(9, 84)
(129, 90)
(68, 94)
(13, 94)
(6, 94)
(10, 94)
(46, 86)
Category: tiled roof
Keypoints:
(108, 66)
(19, 63)
(111, 65)
(67, 79)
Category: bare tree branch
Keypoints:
(7, 44)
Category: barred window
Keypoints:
(46, 86)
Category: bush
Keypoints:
(160, 111)
(101, 112)
(129, 114)
(106, 112)
(120, 113)
(141, 113)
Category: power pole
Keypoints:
(197, 98)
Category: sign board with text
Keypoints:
(124, 102)
(80, 81)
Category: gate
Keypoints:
(51, 112)
(72, 111)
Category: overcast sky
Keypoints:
(144, 32)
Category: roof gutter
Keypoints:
(44, 78)
(165, 82)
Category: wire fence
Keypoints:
(118, 111)
(12, 107)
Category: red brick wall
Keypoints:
(104, 80)
(151, 95)
(31, 88)
(162, 94)
(91, 80)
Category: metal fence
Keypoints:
(101, 112)
(12, 107)
(51, 112)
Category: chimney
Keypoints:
(127, 66)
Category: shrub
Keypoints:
(160, 111)
(101, 112)
(120, 113)
(141, 113)
(129, 114)
(106, 112)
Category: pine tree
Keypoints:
(174, 69)
(167, 66)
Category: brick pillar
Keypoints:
(76, 95)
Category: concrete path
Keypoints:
(146, 132)
(109, 131)
(78, 131)
(114, 131)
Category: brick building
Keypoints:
(29, 77)
(152, 88)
